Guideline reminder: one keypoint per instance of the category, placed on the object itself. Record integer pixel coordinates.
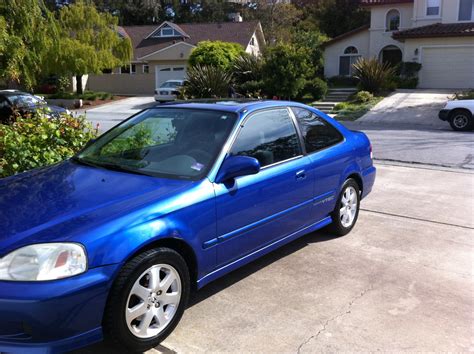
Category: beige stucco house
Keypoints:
(439, 34)
(161, 53)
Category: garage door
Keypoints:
(169, 72)
(447, 67)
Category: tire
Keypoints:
(461, 120)
(151, 314)
(340, 226)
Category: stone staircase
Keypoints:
(333, 97)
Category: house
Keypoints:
(439, 34)
(161, 52)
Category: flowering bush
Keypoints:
(38, 141)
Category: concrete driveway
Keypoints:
(402, 280)
(111, 114)
(404, 127)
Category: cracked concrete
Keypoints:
(328, 321)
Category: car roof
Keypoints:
(230, 105)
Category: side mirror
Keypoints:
(235, 166)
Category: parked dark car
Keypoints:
(24, 103)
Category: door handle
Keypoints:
(300, 175)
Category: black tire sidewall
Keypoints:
(338, 228)
(115, 326)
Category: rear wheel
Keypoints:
(147, 300)
(461, 120)
(346, 212)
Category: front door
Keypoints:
(256, 210)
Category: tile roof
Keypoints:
(383, 2)
(437, 30)
(237, 32)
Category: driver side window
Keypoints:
(269, 136)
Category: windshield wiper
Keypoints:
(108, 166)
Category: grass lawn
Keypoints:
(352, 110)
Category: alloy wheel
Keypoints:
(153, 301)
(348, 207)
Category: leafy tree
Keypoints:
(28, 40)
(311, 42)
(285, 70)
(335, 17)
(215, 53)
(90, 42)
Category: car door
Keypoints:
(258, 209)
(328, 156)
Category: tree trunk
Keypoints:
(79, 89)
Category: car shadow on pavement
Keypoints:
(248, 269)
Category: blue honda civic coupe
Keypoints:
(109, 244)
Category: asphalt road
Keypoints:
(402, 280)
(405, 127)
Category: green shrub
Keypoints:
(372, 74)
(407, 83)
(251, 89)
(285, 70)
(342, 81)
(363, 97)
(215, 53)
(317, 88)
(465, 95)
(207, 82)
(409, 68)
(38, 141)
(247, 67)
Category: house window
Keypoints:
(346, 61)
(393, 20)
(145, 69)
(466, 10)
(167, 32)
(252, 41)
(106, 71)
(125, 69)
(432, 7)
(133, 69)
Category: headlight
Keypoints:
(45, 261)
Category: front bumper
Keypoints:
(444, 114)
(54, 316)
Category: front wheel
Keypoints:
(346, 212)
(147, 300)
(461, 120)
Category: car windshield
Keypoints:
(170, 84)
(25, 100)
(164, 142)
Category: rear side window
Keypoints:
(317, 133)
(269, 136)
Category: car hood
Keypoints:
(57, 202)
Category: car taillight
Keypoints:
(371, 154)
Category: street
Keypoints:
(402, 280)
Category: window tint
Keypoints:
(317, 133)
(269, 136)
